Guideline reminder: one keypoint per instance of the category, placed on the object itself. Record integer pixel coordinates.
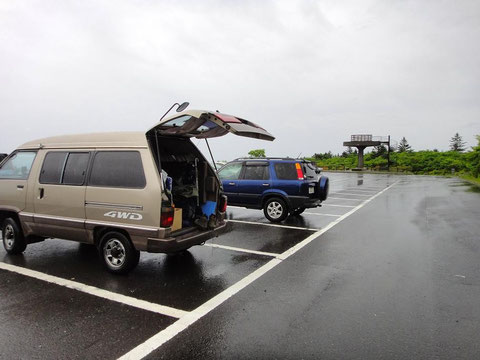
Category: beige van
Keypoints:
(124, 192)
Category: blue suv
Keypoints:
(278, 186)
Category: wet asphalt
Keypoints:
(397, 279)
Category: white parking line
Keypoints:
(320, 214)
(368, 188)
(92, 290)
(342, 193)
(340, 198)
(267, 224)
(345, 206)
(369, 192)
(180, 325)
(241, 249)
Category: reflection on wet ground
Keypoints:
(262, 238)
(183, 281)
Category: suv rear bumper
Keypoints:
(304, 201)
(182, 242)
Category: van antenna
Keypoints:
(180, 108)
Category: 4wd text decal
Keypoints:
(124, 215)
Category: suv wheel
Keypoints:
(117, 253)
(13, 239)
(275, 210)
(298, 211)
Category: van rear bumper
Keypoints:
(182, 242)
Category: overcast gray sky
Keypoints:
(311, 72)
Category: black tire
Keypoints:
(275, 209)
(323, 185)
(13, 239)
(117, 253)
(298, 211)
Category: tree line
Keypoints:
(404, 158)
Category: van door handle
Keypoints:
(231, 183)
(41, 193)
(266, 184)
(20, 187)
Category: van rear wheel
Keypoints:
(13, 239)
(117, 253)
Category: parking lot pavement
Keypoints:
(42, 321)
(397, 280)
(173, 292)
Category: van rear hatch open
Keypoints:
(203, 124)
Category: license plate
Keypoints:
(311, 190)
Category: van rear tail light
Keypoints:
(166, 219)
(223, 204)
(299, 171)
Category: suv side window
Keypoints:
(61, 167)
(230, 171)
(18, 166)
(286, 171)
(117, 169)
(256, 172)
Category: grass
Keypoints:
(471, 179)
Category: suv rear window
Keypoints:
(309, 170)
(117, 169)
(286, 171)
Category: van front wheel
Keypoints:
(13, 239)
(117, 253)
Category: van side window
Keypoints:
(18, 165)
(75, 168)
(60, 167)
(52, 168)
(117, 169)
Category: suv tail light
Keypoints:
(299, 171)
(166, 219)
(222, 206)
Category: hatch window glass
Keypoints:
(256, 172)
(117, 169)
(286, 171)
(230, 171)
(18, 166)
(177, 122)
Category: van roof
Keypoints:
(131, 139)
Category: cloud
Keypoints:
(311, 72)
